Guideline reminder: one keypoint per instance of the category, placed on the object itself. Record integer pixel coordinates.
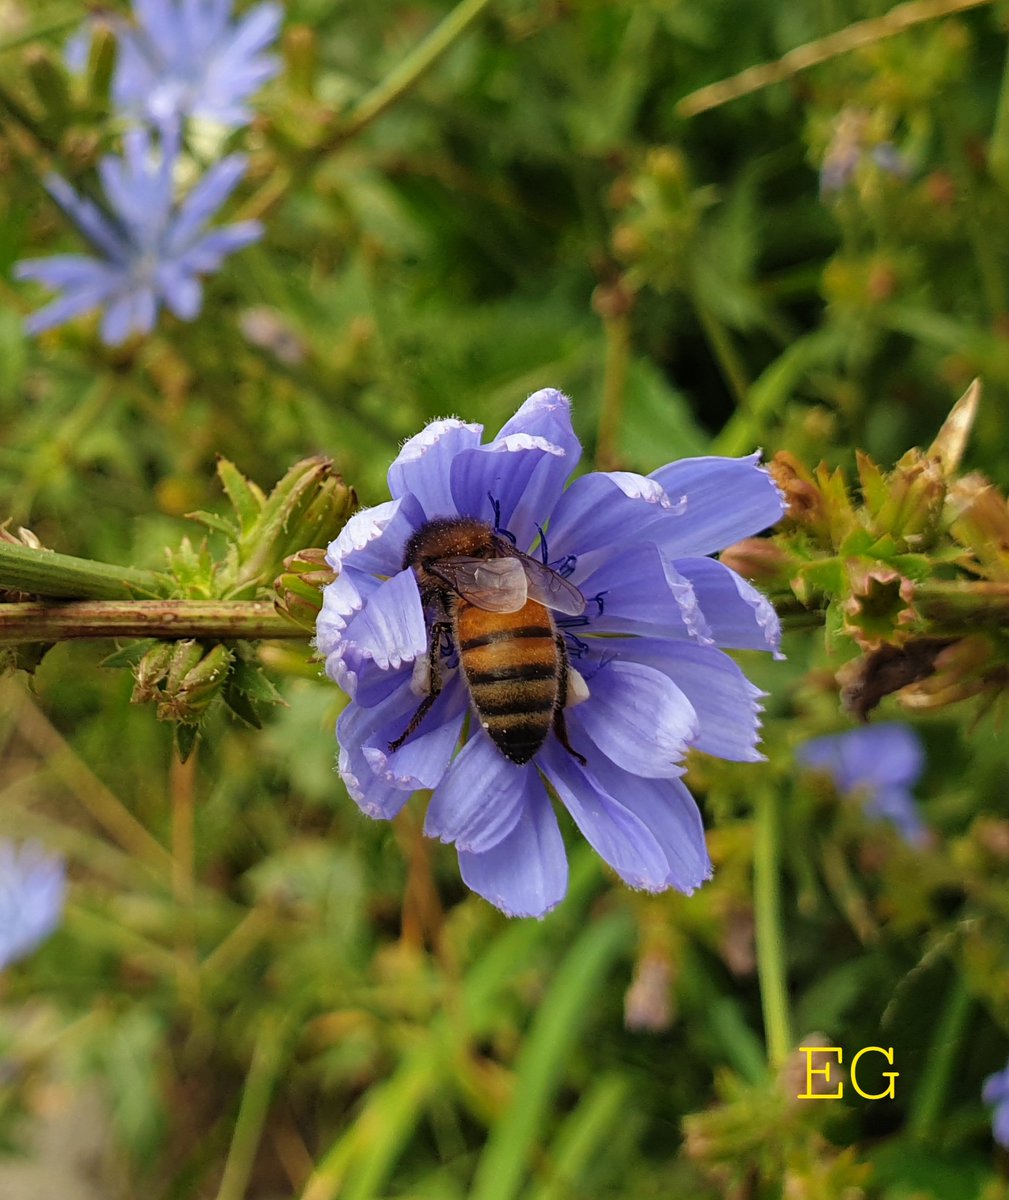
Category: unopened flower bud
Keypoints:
(880, 605)
(807, 505)
(966, 668)
(760, 560)
(299, 588)
(50, 83)
(191, 686)
(648, 1002)
(980, 523)
(911, 511)
(151, 671)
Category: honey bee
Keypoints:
(493, 604)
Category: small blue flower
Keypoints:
(151, 250)
(32, 888)
(647, 648)
(190, 58)
(851, 146)
(995, 1092)
(883, 762)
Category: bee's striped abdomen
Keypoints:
(512, 669)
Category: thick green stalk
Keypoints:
(770, 944)
(46, 573)
(42, 621)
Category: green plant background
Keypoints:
(276, 997)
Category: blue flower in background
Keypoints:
(32, 889)
(995, 1092)
(852, 146)
(190, 58)
(883, 762)
(150, 250)
(652, 681)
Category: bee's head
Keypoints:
(450, 537)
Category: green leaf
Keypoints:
(246, 498)
(129, 656)
(185, 736)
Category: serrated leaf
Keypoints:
(253, 680)
(246, 498)
(214, 521)
(185, 740)
(240, 704)
(129, 656)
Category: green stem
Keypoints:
(46, 573)
(252, 1112)
(770, 944)
(927, 1098)
(726, 355)
(412, 68)
(169, 619)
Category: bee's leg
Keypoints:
(560, 725)
(439, 629)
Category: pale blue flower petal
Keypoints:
(526, 873)
(672, 817)
(637, 717)
(600, 509)
(616, 834)
(107, 238)
(32, 893)
(375, 799)
(897, 805)
(726, 703)
(421, 762)
(996, 1092)
(879, 762)
(504, 482)
(390, 629)
(635, 589)
(725, 499)
(423, 466)
(879, 755)
(547, 414)
(373, 540)
(995, 1088)
(344, 597)
(481, 798)
(739, 617)
(191, 59)
(204, 200)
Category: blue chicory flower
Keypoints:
(851, 146)
(995, 1092)
(883, 762)
(150, 249)
(647, 647)
(32, 889)
(190, 58)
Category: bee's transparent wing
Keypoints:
(493, 584)
(550, 589)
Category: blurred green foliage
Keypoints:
(281, 998)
